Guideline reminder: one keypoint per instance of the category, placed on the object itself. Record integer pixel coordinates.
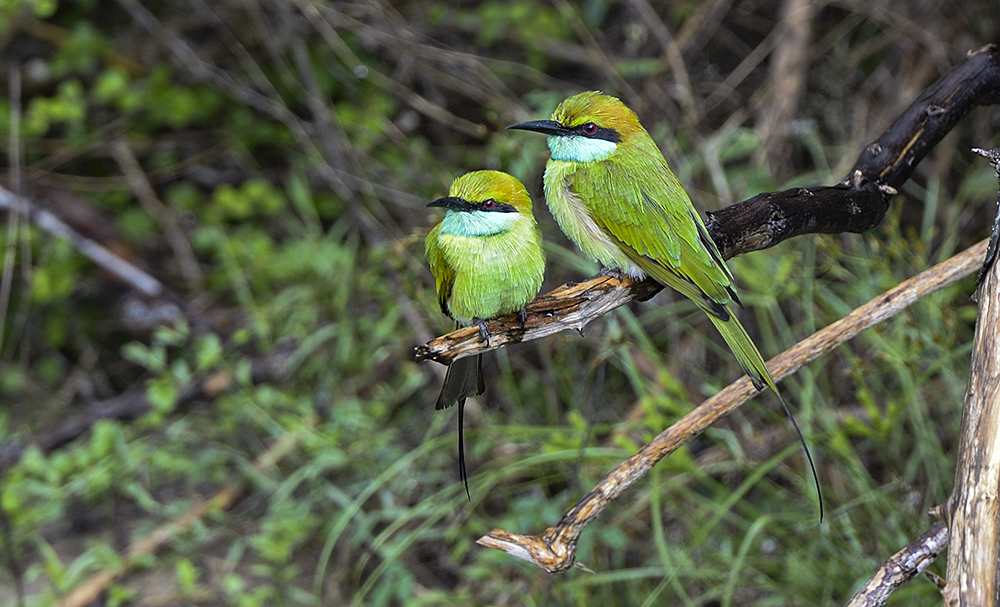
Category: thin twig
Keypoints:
(595, 53)
(418, 102)
(136, 278)
(788, 75)
(902, 567)
(16, 179)
(554, 550)
(15, 154)
(462, 72)
(164, 215)
(691, 111)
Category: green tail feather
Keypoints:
(463, 379)
(753, 365)
(746, 352)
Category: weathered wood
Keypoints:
(570, 306)
(856, 204)
(772, 217)
(973, 510)
(859, 202)
(554, 550)
(902, 567)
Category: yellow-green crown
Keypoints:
(603, 110)
(479, 186)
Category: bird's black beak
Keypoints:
(549, 127)
(453, 203)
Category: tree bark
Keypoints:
(856, 204)
(973, 511)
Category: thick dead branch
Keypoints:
(855, 205)
(973, 510)
(860, 201)
(902, 567)
(554, 550)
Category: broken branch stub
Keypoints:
(570, 306)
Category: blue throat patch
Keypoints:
(478, 223)
(580, 149)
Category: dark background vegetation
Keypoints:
(290, 148)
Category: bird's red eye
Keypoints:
(590, 128)
(490, 204)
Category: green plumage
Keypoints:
(612, 193)
(628, 211)
(483, 276)
(487, 260)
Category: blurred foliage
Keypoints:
(294, 146)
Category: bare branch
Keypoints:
(570, 306)
(972, 511)
(859, 202)
(855, 205)
(902, 567)
(136, 278)
(554, 550)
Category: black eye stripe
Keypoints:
(596, 132)
(498, 207)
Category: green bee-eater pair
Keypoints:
(609, 188)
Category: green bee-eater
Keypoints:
(487, 260)
(612, 193)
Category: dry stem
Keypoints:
(973, 510)
(164, 215)
(554, 550)
(127, 272)
(902, 567)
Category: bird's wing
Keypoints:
(651, 218)
(444, 274)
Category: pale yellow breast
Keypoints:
(573, 214)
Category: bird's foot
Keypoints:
(612, 273)
(522, 315)
(484, 331)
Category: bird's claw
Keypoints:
(612, 273)
(484, 331)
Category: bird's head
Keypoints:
(587, 127)
(482, 203)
